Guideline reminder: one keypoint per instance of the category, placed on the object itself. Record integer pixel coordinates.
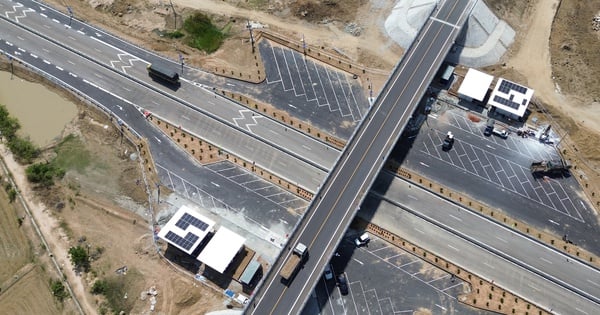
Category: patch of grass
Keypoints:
(115, 287)
(72, 154)
(202, 34)
(173, 35)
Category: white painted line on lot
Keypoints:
(456, 249)
(185, 117)
(215, 184)
(42, 14)
(229, 84)
(489, 266)
(412, 197)
(157, 139)
(306, 147)
(489, 146)
(21, 38)
(423, 164)
(556, 223)
(546, 260)
(71, 37)
(71, 62)
(46, 62)
(422, 232)
(59, 68)
(46, 26)
(55, 21)
(455, 218)
(358, 261)
(443, 308)
(292, 106)
(533, 287)
(80, 32)
(580, 310)
(592, 282)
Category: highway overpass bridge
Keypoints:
(340, 196)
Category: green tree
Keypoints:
(100, 287)
(43, 173)
(23, 149)
(58, 290)
(79, 258)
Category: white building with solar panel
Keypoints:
(186, 229)
(510, 99)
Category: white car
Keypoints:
(362, 240)
(328, 273)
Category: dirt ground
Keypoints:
(558, 57)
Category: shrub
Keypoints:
(100, 287)
(43, 173)
(58, 290)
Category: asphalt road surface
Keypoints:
(337, 202)
(513, 261)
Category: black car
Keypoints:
(489, 127)
(343, 284)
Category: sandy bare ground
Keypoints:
(533, 61)
(49, 227)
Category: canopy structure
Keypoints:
(186, 229)
(475, 85)
(221, 249)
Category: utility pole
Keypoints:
(181, 60)
(158, 193)
(249, 27)
(70, 15)
(174, 14)
(303, 45)
(12, 68)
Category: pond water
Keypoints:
(41, 113)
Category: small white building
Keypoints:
(510, 99)
(475, 86)
(221, 249)
(186, 229)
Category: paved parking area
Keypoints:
(502, 162)
(384, 279)
(330, 99)
(259, 186)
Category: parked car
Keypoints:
(502, 133)
(342, 284)
(328, 273)
(489, 127)
(363, 239)
(448, 142)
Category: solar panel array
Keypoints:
(506, 102)
(187, 220)
(184, 242)
(506, 86)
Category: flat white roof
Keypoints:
(186, 229)
(511, 97)
(221, 249)
(475, 84)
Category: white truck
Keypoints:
(291, 266)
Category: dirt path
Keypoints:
(533, 61)
(330, 35)
(49, 227)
